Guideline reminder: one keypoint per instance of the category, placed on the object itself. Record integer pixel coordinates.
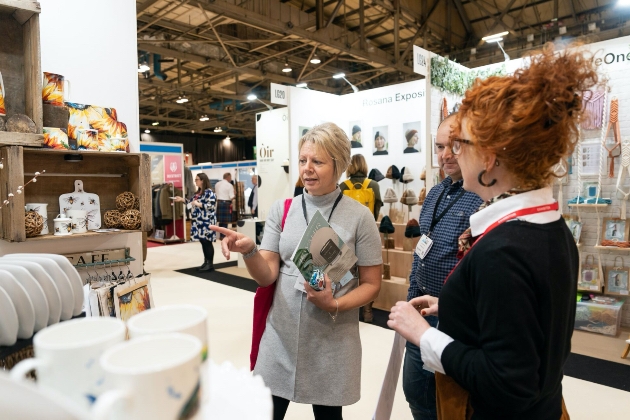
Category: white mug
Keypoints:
(67, 357)
(186, 319)
(63, 225)
(154, 377)
(42, 210)
(78, 220)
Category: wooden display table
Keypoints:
(392, 291)
(398, 235)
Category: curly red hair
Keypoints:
(529, 119)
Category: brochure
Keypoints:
(322, 249)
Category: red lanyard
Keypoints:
(513, 215)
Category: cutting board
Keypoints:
(81, 200)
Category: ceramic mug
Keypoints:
(86, 138)
(63, 225)
(154, 377)
(186, 319)
(67, 357)
(56, 138)
(79, 220)
(53, 89)
(42, 210)
(3, 94)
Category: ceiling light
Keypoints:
(301, 85)
(339, 75)
(286, 68)
(251, 97)
(499, 35)
(147, 131)
(227, 139)
(182, 99)
(192, 131)
(204, 118)
(142, 67)
(499, 39)
(315, 60)
(218, 129)
(343, 76)
(155, 123)
(623, 3)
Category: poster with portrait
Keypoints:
(381, 140)
(355, 134)
(411, 141)
(617, 281)
(302, 130)
(615, 229)
(434, 159)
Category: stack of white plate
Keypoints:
(36, 290)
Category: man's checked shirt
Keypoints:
(428, 275)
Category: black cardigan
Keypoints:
(510, 307)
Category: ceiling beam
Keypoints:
(493, 15)
(334, 13)
(463, 16)
(245, 16)
(144, 6)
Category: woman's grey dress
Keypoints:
(304, 356)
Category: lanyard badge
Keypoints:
(424, 246)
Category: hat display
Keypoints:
(376, 175)
(393, 173)
(409, 197)
(422, 196)
(355, 129)
(386, 225)
(413, 229)
(390, 196)
(405, 175)
(410, 133)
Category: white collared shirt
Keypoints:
(224, 190)
(433, 342)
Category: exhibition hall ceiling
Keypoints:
(205, 57)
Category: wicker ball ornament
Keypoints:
(136, 203)
(131, 219)
(125, 201)
(111, 218)
(34, 223)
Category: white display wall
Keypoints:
(390, 110)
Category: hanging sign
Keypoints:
(279, 94)
(421, 61)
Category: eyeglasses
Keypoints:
(456, 145)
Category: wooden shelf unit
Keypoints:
(20, 65)
(589, 205)
(398, 235)
(104, 174)
(392, 291)
(613, 248)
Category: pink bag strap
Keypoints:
(287, 206)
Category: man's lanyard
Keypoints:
(331, 211)
(516, 214)
(436, 220)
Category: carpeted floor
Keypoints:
(603, 372)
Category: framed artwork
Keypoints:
(617, 281)
(381, 140)
(355, 134)
(589, 275)
(615, 229)
(589, 189)
(576, 229)
(590, 158)
(411, 143)
(133, 297)
(434, 161)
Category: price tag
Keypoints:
(423, 247)
(623, 292)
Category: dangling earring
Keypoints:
(480, 180)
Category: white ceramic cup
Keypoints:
(42, 210)
(79, 220)
(67, 357)
(186, 319)
(63, 225)
(154, 377)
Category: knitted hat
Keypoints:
(390, 196)
(386, 225)
(355, 129)
(376, 175)
(413, 229)
(393, 173)
(409, 197)
(410, 133)
(406, 176)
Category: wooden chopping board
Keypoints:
(81, 200)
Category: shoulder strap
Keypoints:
(287, 206)
(366, 183)
(349, 184)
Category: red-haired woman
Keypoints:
(507, 310)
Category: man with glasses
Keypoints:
(445, 215)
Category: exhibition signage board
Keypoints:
(279, 94)
(421, 61)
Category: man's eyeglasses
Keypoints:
(456, 145)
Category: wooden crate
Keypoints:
(105, 174)
(20, 65)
